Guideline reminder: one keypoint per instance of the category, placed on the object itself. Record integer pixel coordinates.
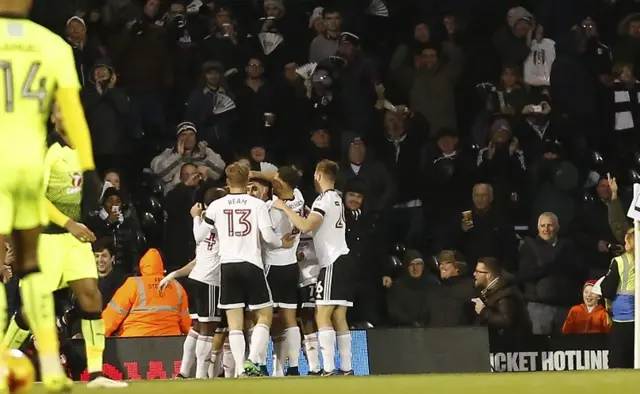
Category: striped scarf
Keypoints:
(627, 103)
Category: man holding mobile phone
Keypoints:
(111, 222)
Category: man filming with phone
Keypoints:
(110, 222)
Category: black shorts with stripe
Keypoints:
(283, 282)
(307, 296)
(244, 285)
(335, 286)
(206, 302)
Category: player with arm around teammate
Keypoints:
(309, 270)
(241, 220)
(206, 338)
(35, 64)
(283, 273)
(334, 288)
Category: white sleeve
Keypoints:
(200, 229)
(265, 226)
(320, 205)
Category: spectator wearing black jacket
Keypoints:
(592, 232)
(178, 228)
(107, 108)
(500, 306)
(552, 274)
(400, 150)
(212, 110)
(407, 295)
(379, 186)
(109, 280)
(111, 222)
(448, 171)
(502, 164)
(361, 234)
(449, 302)
(86, 49)
(485, 232)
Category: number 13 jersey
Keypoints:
(240, 219)
(329, 239)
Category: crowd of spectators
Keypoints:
(474, 138)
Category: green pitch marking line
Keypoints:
(577, 382)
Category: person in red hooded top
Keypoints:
(589, 317)
(139, 309)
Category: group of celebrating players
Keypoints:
(266, 259)
(246, 264)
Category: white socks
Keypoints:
(204, 346)
(311, 349)
(216, 364)
(228, 363)
(327, 340)
(188, 353)
(292, 339)
(279, 355)
(237, 344)
(344, 348)
(259, 340)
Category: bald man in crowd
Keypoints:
(485, 231)
(552, 273)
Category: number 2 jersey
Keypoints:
(329, 239)
(240, 220)
(207, 268)
(282, 226)
(34, 62)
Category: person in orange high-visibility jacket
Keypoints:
(138, 309)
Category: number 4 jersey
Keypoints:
(329, 239)
(240, 220)
(207, 268)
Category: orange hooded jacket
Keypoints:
(138, 309)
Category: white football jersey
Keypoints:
(329, 239)
(309, 268)
(240, 220)
(207, 268)
(283, 226)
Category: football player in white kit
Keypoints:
(309, 270)
(334, 292)
(283, 272)
(205, 340)
(240, 220)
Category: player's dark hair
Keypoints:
(329, 168)
(213, 194)
(102, 244)
(290, 176)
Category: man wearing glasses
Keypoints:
(501, 306)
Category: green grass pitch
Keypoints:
(579, 382)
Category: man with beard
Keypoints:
(501, 305)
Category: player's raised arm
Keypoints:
(305, 225)
(266, 230)
(201, 228)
